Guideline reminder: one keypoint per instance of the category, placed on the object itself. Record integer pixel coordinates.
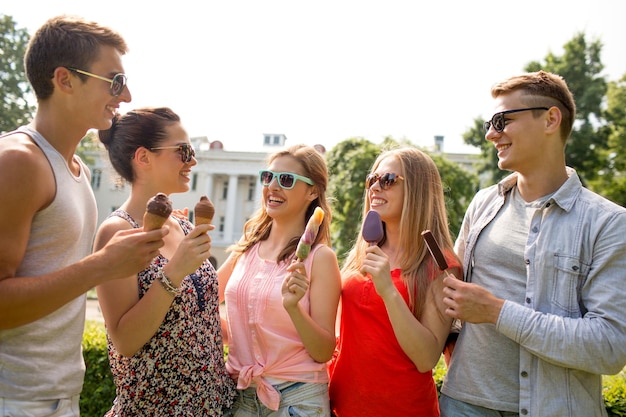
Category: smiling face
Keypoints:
(171, 173)
(280, 202)
(94, 102)
(388, 203)
(521, 142)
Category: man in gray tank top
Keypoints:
(543, 301)
(48, 218)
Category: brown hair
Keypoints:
(423, 209)
(259, 226)
(542, 89)
(65, 41)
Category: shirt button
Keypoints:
(527, 261)
(527, 300)
(535, 229)
(524, 374)
(524, 411)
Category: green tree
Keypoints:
(611, 181)
(580, 66)
(459, 186)
(348, 163)
(89, 145)
(15, 109)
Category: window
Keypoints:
(96, 177)
(220, 228)
(251, 189)
(194, 182)
(225, 191)
(266, 139)
(276, 140)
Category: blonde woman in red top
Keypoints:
(392, 327)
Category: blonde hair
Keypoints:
(259, 226)
(423, 209)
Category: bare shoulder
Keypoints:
(25, 173)
(325, 265)
(107, 229)
(325, 254)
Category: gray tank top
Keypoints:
(43, 359)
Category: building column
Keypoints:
(258, 194)
(231, 209)
(209, 187)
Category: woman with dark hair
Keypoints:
(163, 324)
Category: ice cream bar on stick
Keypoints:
(435, 251)
(310, 233)
(372, 228)
(204, 211)
(158, 209)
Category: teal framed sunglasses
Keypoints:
(286, 180)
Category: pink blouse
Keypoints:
(264, 346)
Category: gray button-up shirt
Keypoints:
(571, 329)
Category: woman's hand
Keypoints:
(191, 252)
(376, 263)
(295, 285)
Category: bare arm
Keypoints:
(316, 330)
(131, 321)
(27, 187)
(422, 340)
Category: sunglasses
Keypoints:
(498, 121)
(286, 180)
(385, 181)
(184, 149)
(117, 83)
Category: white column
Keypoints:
(258, 194)
(231, 210)
(209, 187)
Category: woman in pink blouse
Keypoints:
(281, 310)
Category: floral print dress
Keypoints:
(180, 371)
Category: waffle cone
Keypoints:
(203, 220)
(153, 221)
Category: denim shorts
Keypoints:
(450, 407)
(297, 399)
(65, 407)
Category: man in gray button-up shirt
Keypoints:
(544, 297)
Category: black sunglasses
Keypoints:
(184, 149)
(498, 121)
(286, 180)
(385, 181)
(117, 83)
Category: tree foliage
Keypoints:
(348, 164)
(611, 181)
(15, 109)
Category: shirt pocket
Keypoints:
(569, 274)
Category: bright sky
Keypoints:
(327, 70)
